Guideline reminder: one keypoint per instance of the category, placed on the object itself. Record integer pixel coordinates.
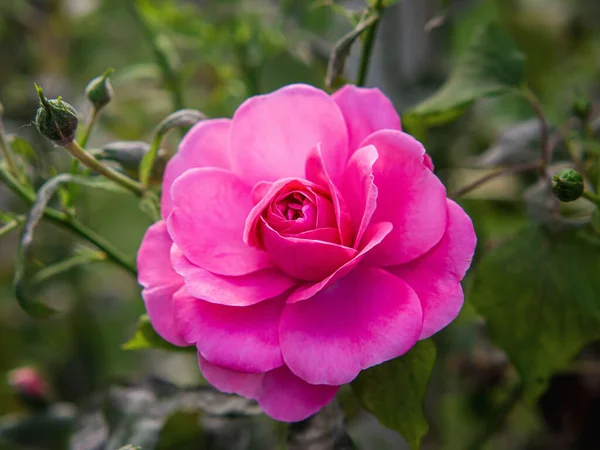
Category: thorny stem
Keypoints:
(70, 223)
(497, 173)
(367, 47)
(89, 161)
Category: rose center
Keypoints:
(294, 206)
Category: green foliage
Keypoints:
(181, 431)
(492, 65)
(539, 296)
(145, 338)
(395, 391)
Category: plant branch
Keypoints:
(70, 223)
(171, 76)
(89, 126)
(89, 161)
(590, 196)
(367, 47)
(544, 131)
(497, 173)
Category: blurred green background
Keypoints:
(225, 51)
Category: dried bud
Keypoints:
(56, 120)
(567, 185)
(29, 384)
(99, 91)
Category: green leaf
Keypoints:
(539, 294)
(145, 337)
(182, 431)
(491, 65)
(395, 391)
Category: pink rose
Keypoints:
(303, 241)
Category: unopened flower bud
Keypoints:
(567, 185)
(582, 108)
(29, 384)
(99, 91)
(56, 119)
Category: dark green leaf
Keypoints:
(145, 337)
(182, 431)
(539, 294)
(395, 391)
(492, 65)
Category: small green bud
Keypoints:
(99, 91)
(567, 185)
(56, 120)
(582, 108)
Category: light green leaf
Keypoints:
(491, 65)
(145, 337)
(539, 294)
(395, 391)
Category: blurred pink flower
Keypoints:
(29, 382)
(303, 241)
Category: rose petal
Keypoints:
(244, 339)
(245, 384)
(317, 173)
(160, 281)
(159, 306)
(436, 275)
(243, 290)
(364, 319)
(287, 398)
(359, 190)
(306, 259)
(208, 219)
(409, 195)
(205, 145)
(365, 111)
(272, 134)
(153, 258)
(280, 393)
(373, 236)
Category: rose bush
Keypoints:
(302, 241)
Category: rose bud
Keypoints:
(56, 119)
(31, 387)
(99, 91)
(567, 185)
